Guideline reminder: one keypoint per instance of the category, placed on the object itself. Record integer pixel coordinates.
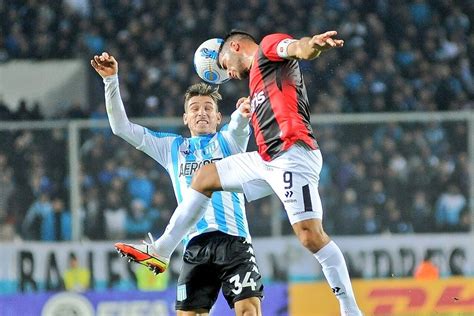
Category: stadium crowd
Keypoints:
(399, 56)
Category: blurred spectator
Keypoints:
(159, 212)
(94, 221)
(138, 222)
(427, 270)
(115, 216)
(148, 281)
(32, 226)
(349, 213)
(420, 213)
(5, 112)
(7, 186)
(7, 189)
(448, 208)
(396, 224)
(465, 221)
(141, 187)
(369, 224)
(76, 278)
(47, 220)
(76, 111)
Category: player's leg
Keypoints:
(240, 276)
(206, 180)
(193, 206)
(248, 307)
(191, 209)
(232, 173)
(294, 178)
(198, 283)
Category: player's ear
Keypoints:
(185, 118)
(219, 118)
(235, 46)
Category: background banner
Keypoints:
(127, 303)
(403, 297)
(30, 266)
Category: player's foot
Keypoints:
(144, 254)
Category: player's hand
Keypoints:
(243, 105)
(105, 65)
(325, 41)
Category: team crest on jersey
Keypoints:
(184, 148)
(210, 148)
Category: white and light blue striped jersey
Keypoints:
(182, 156)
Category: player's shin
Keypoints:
(187, 214)
(335, 270)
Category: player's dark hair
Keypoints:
(233, 35)
(202, 89)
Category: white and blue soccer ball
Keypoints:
(206, 64)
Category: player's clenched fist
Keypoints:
(243, 104)
(105, 65)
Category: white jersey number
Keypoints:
(247, 282)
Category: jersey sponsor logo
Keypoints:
(188, 168)
(258, 99)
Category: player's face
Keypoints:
(233, 63)
(201, 115)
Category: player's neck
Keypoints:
(251, 54)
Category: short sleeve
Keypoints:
(269, 45)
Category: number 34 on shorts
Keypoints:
(239, 285)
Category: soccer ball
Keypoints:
(205, 62)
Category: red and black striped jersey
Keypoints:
(280, 107)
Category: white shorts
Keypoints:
(293, 176)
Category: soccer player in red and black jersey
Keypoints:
(288, 161)
(285, 140)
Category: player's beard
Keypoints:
(244, 73)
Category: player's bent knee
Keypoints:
(311, 234)
(248, 307)
(206, 180)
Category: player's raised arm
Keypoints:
(239, 120)
(107, 67)
(311, 47)
(238, 129)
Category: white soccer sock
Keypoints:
(187, 214)
(335, 270)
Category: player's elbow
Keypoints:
(118, 131)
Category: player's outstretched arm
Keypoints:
(311, 47)
(107, 67)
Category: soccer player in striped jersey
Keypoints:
(218, 251)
